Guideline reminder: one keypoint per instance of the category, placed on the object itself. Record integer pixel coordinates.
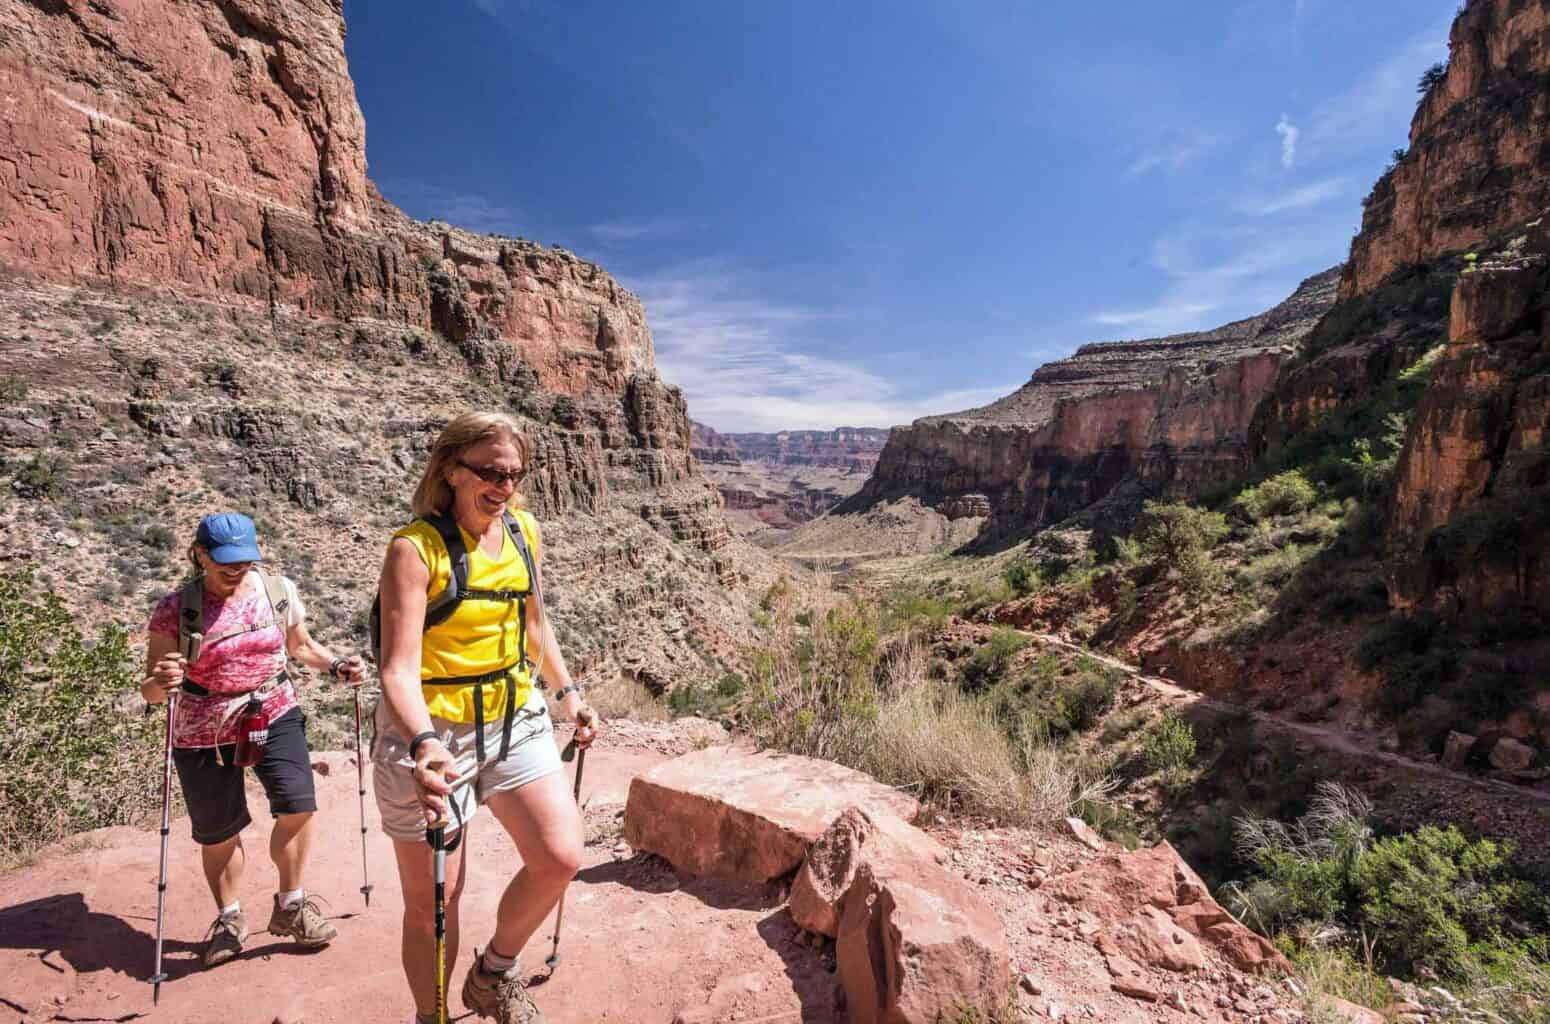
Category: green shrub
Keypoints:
(1171, 531)
(1284, 494)
(991, 659)
(42, 476)
(1022, 576)
(1432, 77)
(12, 389)
(80, 752)
(1169, 744)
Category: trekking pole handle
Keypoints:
(469, 771)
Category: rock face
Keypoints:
(173, 157)
(728, 812)
(853, 449)
(1173, 411)
(1156, 912)
(1476, 165)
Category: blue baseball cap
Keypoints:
(229, 537)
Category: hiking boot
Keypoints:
(224, 939)
(502, 996)
(304, 923)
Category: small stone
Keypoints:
(1054, 1012)
(322, 767)
(1030, 985)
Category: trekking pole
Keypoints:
(559, 914)
(166, 821)
(436, 836)
(360, 790)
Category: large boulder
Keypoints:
(916, 943)
(818, 894)
(1511, 756)
(1157, 912)
(730, 812)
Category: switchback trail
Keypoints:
(1330, 739)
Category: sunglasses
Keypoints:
(491, 475)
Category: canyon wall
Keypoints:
(196, 155)
(1175, 411)
(1478, 163)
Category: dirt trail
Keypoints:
(1330, 739)
(639, 942)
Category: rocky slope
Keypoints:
(1175, 411)
(188, 229)
(1476, 165)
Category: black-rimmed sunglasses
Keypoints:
(491, 475)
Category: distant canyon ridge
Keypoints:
(773, 482)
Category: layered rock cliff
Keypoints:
(1174, 411)
(1477, 164)
(852, 449)
(209, 155)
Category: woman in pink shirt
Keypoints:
(222, 642)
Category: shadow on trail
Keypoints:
(648, 873)
(807, 969)
(63, 927)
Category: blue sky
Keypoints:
(864, 211)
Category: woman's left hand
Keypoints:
(588, 723)
(352, 670)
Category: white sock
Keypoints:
(235, 906)
(494, 963)
(292, 899)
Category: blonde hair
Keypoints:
(433, 494)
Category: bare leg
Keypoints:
(223, 864)
(544, 822)
(288, 846)
(419, 943)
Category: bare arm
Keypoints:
(300, 645)
(552, 663)
(164, 668)
(402, 590)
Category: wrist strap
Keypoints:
(333, 668)
(414, 744)
(566, 691)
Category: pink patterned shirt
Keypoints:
(231, 667)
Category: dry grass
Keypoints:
(623, 696)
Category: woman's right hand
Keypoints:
(434, 769)
(166, 676)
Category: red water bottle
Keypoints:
(252, 734)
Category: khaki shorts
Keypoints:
(532, 756)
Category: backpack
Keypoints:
(191, 637)
(440, 608)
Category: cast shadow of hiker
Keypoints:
(64, 928)
(648, 873)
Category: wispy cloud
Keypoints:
(1305, 197)
(616, 232)
(1366, 114)
(747, 363)
(1217, 274)
(471, 210)
(1289, 135)
(1171, 154)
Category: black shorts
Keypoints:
(217, 802)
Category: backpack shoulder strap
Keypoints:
(191, 616)
(519, 538)
(279, 600)
(440, 608)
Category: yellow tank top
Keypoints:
(479, 636)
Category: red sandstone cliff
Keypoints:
(169, 157)
(1477, 164)
(1175, 411)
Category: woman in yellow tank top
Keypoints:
(461, 687)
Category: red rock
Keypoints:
(730, 812)
(1492, 303)
(1511, 756)
(818, 893)
(1084, 834)
(1350, 1012)
(916, 944)
(1455, 751)
(1152, 938)
(1129, 979)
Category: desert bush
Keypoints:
(1431, 899)
(991, 659)
(1022, 576)
(1171, 531)
(1284, 494)
(1169, 744)
(12, 389)
(81, 753)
